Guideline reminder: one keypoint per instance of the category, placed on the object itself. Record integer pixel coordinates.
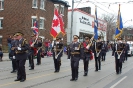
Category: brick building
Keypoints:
(19, 15)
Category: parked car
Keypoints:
(130, 52)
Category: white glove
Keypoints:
(19, 48)
(13, 57)
(87, 47)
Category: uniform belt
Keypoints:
(73, 53)
(118, 51)
(97, 50)
(58, 49)
(20, 52)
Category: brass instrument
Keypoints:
(91, 41)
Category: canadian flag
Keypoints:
(61, 24)
(55, 30)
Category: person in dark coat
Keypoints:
(97, 46)
(32, 51)
(57, 49)
(1, 53)
(75, 53)
(87, 54)
(38, 45)
(13, 54)
(103, 51)
(126, 50)
(118, 52)
(21, 56)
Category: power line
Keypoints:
(100, 7)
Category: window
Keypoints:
(34, 3)
(41, 23)
(34, 18)
(62, 10)
(1, 22)
(42, 4)
(56, 6)
(1, 4)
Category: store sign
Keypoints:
(84, 20)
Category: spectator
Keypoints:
(9, 43)
(46, 45)
(1, 53)
(50, 45)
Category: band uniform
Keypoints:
(75, 53)
(97, 46)
(87, 54)
(118, 52)
(57, 49)
(21, 56)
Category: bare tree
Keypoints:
(111, 24)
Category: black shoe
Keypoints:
(96, 70)
(22, 80)
(17, 80)
(72, 79)
(31, 69)
(37, 64)
(55, 71)
(76, 79)
(13, 71)
(85, 74)
(117, 72)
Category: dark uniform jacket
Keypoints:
(13, 46)
(22, 54)
(104, 48)
(97, 47)
(75, 51)
(118, 50)
(57, 49)
(87, 52)
(127, 48)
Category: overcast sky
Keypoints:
(126, 8)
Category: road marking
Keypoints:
(118, 82)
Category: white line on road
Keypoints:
(118, 82)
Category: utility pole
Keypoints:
(71, 32)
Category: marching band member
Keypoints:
(38, 45)
(118, 52)
(75, 53)
(32, 51)
(104, 50)
(57, 49)
(87, 54)
(97, 46)
(21, 56)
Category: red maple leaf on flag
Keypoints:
(55, 22)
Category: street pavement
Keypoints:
(43, 76)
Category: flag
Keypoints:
(35, 28)
(119, 25)
(95, 25)
(55, 29)
(61, 25)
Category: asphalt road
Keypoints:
(43, 76)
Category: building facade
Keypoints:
(83, 24)
(19, 15)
